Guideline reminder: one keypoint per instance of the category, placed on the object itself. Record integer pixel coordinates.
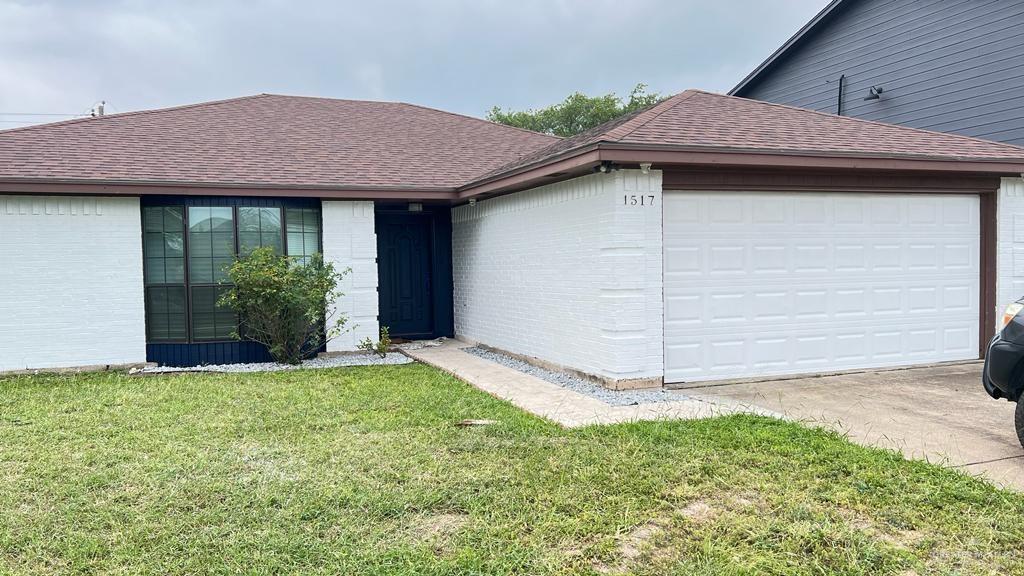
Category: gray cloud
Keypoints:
(463, 56)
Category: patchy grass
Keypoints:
(365, 471)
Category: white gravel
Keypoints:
(569, 382)
(328, 362)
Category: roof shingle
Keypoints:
(285, 141)
(697, 120)
(270, 140)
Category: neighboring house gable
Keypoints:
(948, 66)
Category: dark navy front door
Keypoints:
(404, 249)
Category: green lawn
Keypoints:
(363, 471)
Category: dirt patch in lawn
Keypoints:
(903, 539)
(437, 530)
(644, 539)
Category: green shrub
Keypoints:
(284, 304)
(381, 347)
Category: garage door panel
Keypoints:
(893, 302)
(758, 260)
(810, 350)
(780, 283)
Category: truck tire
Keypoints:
(1019, 420)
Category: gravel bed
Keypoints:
(328, 362)
(576, 384)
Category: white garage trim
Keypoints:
(774, 283)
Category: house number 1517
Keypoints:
(638, 200)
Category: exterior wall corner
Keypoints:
(1009, 243)
(350, 242)
(569, 273)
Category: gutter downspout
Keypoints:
(839, 103)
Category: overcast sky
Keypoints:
(62, 57)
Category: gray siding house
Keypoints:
(934, 64)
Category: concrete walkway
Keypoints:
(566, 407)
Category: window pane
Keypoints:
(248, 241)
(248, 219)
(161, 325)
(174, 244)
(200, 270)
(295, 244)
(310, 220)
(211, 243)
(175, 299)
(223, 244)
(173, 219)
(220, 268)
(154, 245)
(158, 300)
(158, 324)
(153, 219)
(227, 321)
(271, 239)
(155, 271)
(303, 226)
(270, 219)
(199, 219)
(176, 327)
(203, 323)
(163, 249)
(294, 219)
(210, 321)
(175, 270)
(200, 245)
(221, 220)
(311, 242)
(259, 227)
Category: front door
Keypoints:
(404, 262)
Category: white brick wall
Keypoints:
(1009, 243)
(70, 282)
(350, 242)
(569, 273)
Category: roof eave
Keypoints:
(569, 161)
(574, 161)
(148, 188)
(626, 153)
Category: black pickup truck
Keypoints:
(1003, 376)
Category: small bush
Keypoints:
(381, 347)
(284, 304)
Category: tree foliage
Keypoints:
(576, 113)
(284, 304)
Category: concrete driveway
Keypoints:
(938, 413)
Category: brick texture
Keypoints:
(569, 273)
(66, 303)
(1009, 243)
(350, 242)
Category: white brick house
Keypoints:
(706, 237)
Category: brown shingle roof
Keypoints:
(270, 140)
(697, 120)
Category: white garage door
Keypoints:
(767, 283)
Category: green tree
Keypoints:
(576, 113)
(284, 304)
